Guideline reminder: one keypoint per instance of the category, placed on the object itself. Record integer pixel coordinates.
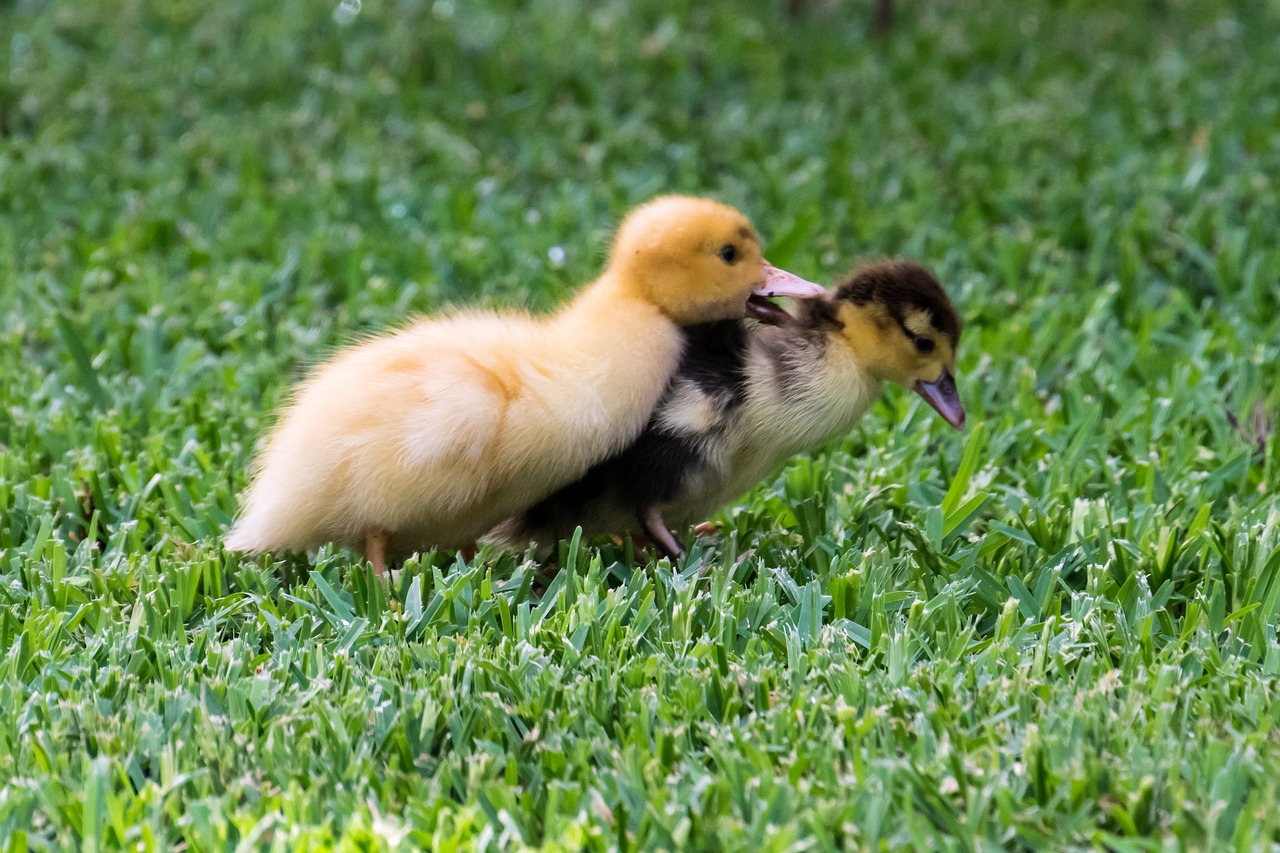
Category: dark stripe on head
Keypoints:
(903, 288)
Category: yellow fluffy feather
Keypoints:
(431, 435)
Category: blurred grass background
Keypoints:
(1055, 630)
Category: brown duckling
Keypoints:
(748, 395)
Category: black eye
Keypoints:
(728, 253)
(923, 344)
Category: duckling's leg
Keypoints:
(657, 531)
(706, 528)
(375, 549)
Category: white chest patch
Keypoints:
(690, 411)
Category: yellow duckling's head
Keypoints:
(697, 260)
(902, 328)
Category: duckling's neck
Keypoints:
(841, 389)
(609, 311)
(612, 293)
(816, 387)
(618, 347)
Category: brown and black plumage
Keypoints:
(750, 394)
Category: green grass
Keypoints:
(1057, 629)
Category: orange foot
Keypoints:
(375, 549)
(706, 528)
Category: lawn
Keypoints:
(1055, 629)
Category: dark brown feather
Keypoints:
(902, 288)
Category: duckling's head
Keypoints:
(902, 327)
(697, 260)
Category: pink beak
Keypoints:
(782, 283)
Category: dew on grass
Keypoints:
(346, 12)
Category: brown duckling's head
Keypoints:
(902, 327)
(697, 260)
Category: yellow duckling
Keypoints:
(750, 395)
(431, 435)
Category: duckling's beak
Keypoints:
(942, 395)
(779, 283)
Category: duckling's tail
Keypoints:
(265, 526)
(247, 535)
(541, 526)
(514, 533)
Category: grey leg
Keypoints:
(656, 529)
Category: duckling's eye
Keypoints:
(923, 344)
(728, 253)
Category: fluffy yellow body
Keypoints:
(435, 442)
